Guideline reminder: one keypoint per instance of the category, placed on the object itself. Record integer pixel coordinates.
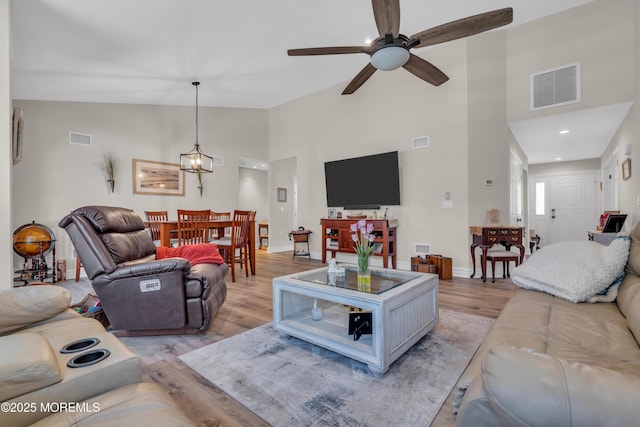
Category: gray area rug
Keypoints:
(289, 382)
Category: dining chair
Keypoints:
(153, 218)
(193, 226)
(235, 248)
(215, 232)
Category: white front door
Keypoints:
(564, 206)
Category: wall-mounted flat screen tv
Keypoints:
(363, 182)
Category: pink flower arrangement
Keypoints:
(362, 237)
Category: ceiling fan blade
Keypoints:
(465, 27)
(425, 70)
(337, 50)
(359, 80)
(387, 16)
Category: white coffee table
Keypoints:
(404, 307)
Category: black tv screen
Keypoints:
(363, 182)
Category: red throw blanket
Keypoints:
(200, 253)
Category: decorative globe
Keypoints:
(28, 238)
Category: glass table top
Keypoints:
(382, 279)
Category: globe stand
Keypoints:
(34, 241)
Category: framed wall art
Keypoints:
(282, 195)
(160, 178)
(626, 169)
(17, 130)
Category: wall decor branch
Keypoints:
(109, 169)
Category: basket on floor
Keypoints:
(300, 235)
(89, 307)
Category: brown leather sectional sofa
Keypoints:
(550, 362)
(58, 368)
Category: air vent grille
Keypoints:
(420, 142)
(421, 248)
(218, 161)
(79, 138)
(555, 87)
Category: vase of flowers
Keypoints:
(363, 239)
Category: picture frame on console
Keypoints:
(332, 213)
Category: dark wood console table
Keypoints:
(336, 237)
(486, 236)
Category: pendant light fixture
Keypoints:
(195, 161)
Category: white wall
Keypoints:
(629, 134)
(56, 177)
(6, 230)
(489, 136)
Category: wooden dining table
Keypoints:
(166, 227)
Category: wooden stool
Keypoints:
(506, 257)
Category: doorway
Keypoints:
(563, 206)
(283, 209)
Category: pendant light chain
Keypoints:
(196, 84)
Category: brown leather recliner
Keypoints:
(140, 294)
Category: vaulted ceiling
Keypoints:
(149, 51)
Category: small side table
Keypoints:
(263, 234)
(300, 237)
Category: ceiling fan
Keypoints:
(392, 50)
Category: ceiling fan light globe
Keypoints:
(390, 58)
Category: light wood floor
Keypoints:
(249, 305)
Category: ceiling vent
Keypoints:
(79, 139)
(555, 87)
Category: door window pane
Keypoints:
(540, 208)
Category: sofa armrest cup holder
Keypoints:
(88, 358)
(79, 345)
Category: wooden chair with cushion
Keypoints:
(154, 218)
(506, 257)
(235, 249)
(215, 233)
(193, 226)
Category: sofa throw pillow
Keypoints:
(576, 270)
(30, 304)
